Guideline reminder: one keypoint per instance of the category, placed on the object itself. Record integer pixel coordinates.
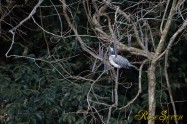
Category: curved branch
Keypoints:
(166, 64)
(139, 84)
(135, 51)
(83, 46)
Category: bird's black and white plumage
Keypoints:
(119, 61)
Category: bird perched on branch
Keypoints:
(119, 61)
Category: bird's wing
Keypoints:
(123, 62)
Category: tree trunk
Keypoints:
(151, 91)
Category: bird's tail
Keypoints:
(133, 66)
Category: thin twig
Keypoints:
(12, 31)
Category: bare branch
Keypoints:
(166, 64)
(165, 31)
(12, 31)
(138, 37)
(116, 87)
(139, 86)
(75, 31)
(30, 15)
(109, 115)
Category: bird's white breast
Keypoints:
(111, 57)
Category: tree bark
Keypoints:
(151, 91)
